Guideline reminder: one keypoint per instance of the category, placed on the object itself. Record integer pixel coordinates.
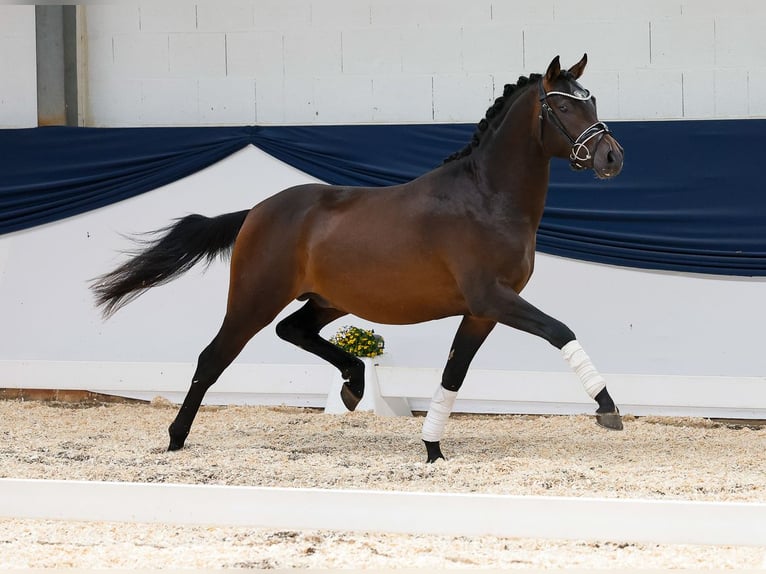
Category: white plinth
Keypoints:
(372, 400)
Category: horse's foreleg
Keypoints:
(511, 309)
(607, 414)
(302, 329)
(469, 337)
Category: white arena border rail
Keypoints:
(599, 519)
(484, 391)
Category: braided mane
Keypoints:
(495, 113)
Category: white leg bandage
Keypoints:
(438, 413)
(582, 365)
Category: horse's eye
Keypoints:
(563, 108)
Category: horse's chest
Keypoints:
(514, 258)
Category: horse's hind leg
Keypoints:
(236, 331)
(302, 329)
(469, 337)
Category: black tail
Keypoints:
(178, 248)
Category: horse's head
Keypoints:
(566, 110)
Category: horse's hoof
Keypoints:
(175, 445)
(611, 421)
(433, 452)
(349, 398)
(176, 442)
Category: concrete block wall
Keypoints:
(18, 68)
(180, 62)
(357, 61)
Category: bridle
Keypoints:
(579, 152)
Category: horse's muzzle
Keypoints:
(608, 158)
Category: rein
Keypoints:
(580, 152)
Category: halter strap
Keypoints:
(579, 152)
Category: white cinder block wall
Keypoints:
(18, 69)
(355, 61)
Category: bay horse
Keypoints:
(460, 241)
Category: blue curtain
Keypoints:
(689, 198)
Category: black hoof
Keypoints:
(349, 398)
(175, 445)
(611, 421)
(176, 442)
(433, 451)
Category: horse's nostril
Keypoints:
(610, 157)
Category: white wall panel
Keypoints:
(114, 102)
(227, 101)
(650, 94)
(599, 10)
(343, 99)
(620, 45)
(451, 92)
(731, 93)
(167, 17)
(376, 51)
(169, 102)
(269, 99)
(282, 14)
(143, 55)
(100, 63)
(313, 52)
(276, 95)
(683, 43)
(495, 49)
(110, 19)
(403, 98)
(739, 39)
(229, 16)
(254, 54)
(18, 67)
(757, 92)
(16, 21)
(522, 12)
(341, 14)
(698, 94)
(447, 14)
(716, 93)
(741, 8)
(199, 55)
(431, 50)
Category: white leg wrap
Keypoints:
(581, 364)
(438, 413)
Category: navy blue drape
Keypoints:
(56, 172)
(689, 198)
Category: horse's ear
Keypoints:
(554, 69)
(579, 67)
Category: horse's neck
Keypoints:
(513, 161)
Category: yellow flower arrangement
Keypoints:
(358, 342)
